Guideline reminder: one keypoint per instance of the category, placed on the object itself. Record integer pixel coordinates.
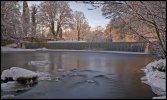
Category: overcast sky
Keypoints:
(94, 17)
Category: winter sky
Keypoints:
(94, 17)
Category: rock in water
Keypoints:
(19, 74)
(60, 70)
(90, 81)
(43, 76)
(39, 63)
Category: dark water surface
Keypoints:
(95, 75)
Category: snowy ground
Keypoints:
(156, 79)
(63, 41)
(3, 49)
(13, 45)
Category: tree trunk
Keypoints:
(52, 30)
(58, 29)
(60, 34)
(78, 36)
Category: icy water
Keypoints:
(82, 75)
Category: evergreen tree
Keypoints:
(26, 18)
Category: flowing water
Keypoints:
(82, 75)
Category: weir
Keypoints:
(105, 46)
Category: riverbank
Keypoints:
(155, 77)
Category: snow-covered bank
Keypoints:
(156, 77)
(13, 86)
(15, 49)
(13, 45)
(161, 97)
(67, 41)
(41, 49)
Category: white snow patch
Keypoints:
(161, 97)
(16, 72)
(39, 63)
(8, 97)
(156, 64)
(90, 81)
(60, 70)
(12, 86)
(5, 49)
(41, 49)
(13, 45)
(156, 79)
(8, 85)
(144, 78)
(67, 41)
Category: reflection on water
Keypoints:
(126, 68)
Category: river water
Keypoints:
(83, 75)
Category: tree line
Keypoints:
(55, 16)
(20, 20)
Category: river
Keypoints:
(98, 75)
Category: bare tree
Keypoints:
(63, 18)
(11, 27)
(116, 30)
(80, 24)
(108, 31)
(98, 33)
(49, 10)
(136, 14)
(57, 14)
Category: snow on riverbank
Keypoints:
(16, 73)
(15, 49)
(7, 97)
(5, 49)
(41, 49)
(63, 41)
(156, 78)
(13, 86)
(161, 97)
(13, 45)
